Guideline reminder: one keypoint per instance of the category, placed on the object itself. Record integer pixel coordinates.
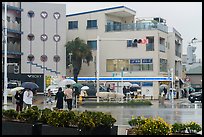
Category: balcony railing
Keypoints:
(15, 7)
(136, 26)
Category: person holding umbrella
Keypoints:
(68, 94)
(59, 97)
(27, 98)
(19, 100)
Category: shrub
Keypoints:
(45, 114)
(149, 126)
(137, 121)
(140, 102)
(31, 115)
(88, 120)
(62, 118)
(193, 127)
(178, 128)
(10, 114)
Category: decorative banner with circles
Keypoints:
(31, 58)
(56, 15)
(43, 58)
(56, 58)
(44, 14)
(44, 37)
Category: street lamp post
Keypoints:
(5, 56)
(97, 69)
(172, 84)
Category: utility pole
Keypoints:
(172, 85)
(5, 56)
(97, 69)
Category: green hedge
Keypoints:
(128, 103)
(61, 118)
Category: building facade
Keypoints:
(120, 55)
(36, 39)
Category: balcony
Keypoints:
(136, 27)
(15, 7)
(12, 27)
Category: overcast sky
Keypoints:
(185, 17)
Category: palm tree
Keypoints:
(80, 51)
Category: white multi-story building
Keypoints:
(144, 64)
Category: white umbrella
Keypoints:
(66, 82)
(173, 89)
(17, 89)
(135, 85)
(163, 85)
(13, 91)
(85, 88)
(127, 84)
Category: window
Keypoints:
(150, 45)
(135, 64)
(161, 44)
(117, 65)
(163, 65)
(147, 64)
(92, 44)
(91, 24)
(129, 43)
(73, 25)
(147, 84)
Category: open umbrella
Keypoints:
(78, 85)
(13, 90)
(85, 88)
(65, 82)
(30, 85)
(17, 89)
(163, 85)
(127, 84)
(135, 85)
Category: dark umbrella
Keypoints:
(30, 85)
(78, 86)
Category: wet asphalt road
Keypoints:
(180, 111)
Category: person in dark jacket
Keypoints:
(19, 100)
(59, 97)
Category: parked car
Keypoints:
(195, 96)
(91, 92)
(53, 89)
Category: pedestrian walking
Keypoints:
(124, 90)
(49, 96)
(19, 100)
(27, 98)
(108, 88)
(59, 98)
(68, 94)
